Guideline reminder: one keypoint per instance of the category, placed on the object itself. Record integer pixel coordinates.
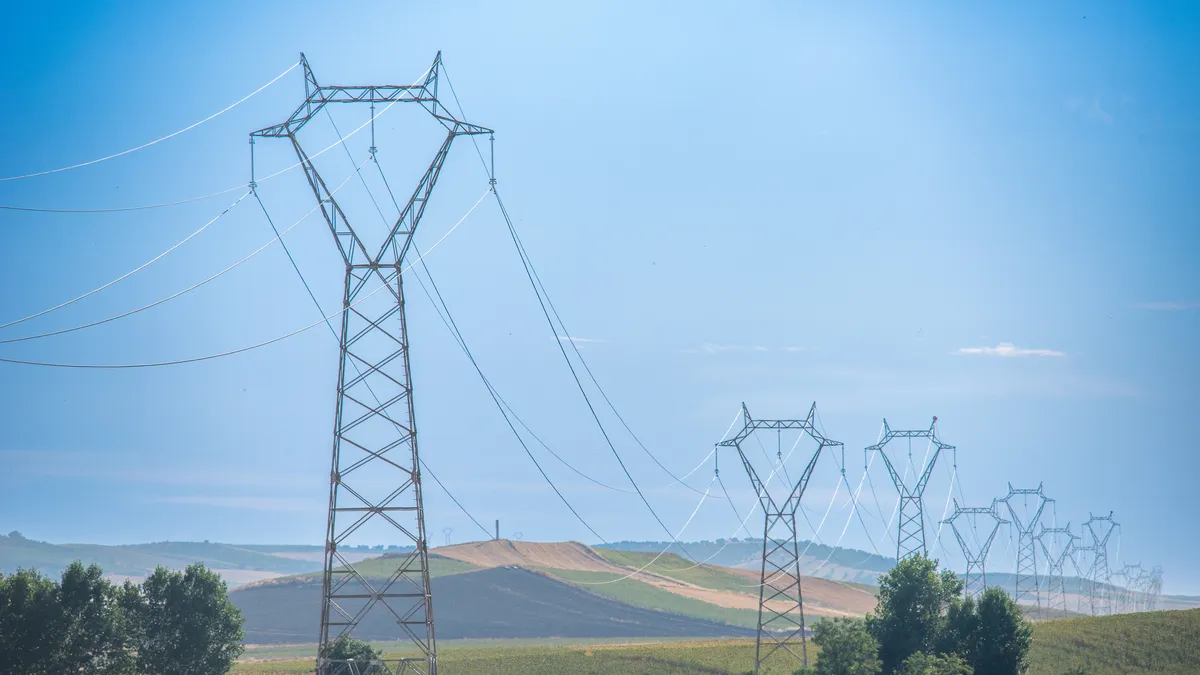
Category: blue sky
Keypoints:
(987, 215)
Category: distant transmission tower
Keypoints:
(779, 593)
(1058, 552)
(911, 527)
(1100, 528)
(1027, 586)
(975, 579)
(375, 477)
(447, 531)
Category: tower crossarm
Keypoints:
(318, 96)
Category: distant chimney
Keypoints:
(497, 529)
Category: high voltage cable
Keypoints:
(495, 399)
(211, 195)
(492, 391)
(278, 237)
(603, 432)
(131, 272)
(529, 267)
(575, 348)
(661, 553)
(156, 364)
(156, 141)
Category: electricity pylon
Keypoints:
(1027, 586)
(910, 538)
(375, 475)
(1100, 528)
(975, 579)
(1056, 558)
(779, 592)
(1130, 594)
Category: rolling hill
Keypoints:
(680, 596)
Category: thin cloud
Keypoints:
(795, 349)
(580, 340)
(290, 504)
(710, 348)
(1168, 306)
(1007, 349)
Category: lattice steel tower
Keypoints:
(375, 476)
(910, 539)
(1100, 528)
(1027, 584)
(780, 597)
(1057, 553)
(975, 579)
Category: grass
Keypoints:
(673, 567)
(1163, 643)
(1155, 643)
(641, 594)
(383, 567)
(661, 658)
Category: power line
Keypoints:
(525, 262)
(158, 140)
(209, 357)
(278, 237)
(453, 326)
(130, 273)
(251, 184)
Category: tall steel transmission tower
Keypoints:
(375, 475)
(1027, 585)
(780, 598)
(1058, 552)
(1100, 529)
(975, 579)
(910, 540)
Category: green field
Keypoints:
(675, 567)
(661, 658)
(1156, 643)
(641, 594)
(1166, 643)
(382, 568)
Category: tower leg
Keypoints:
(375, 479)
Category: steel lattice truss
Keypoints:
(375, 477)
(910, 540)
(1099, 582)
(780, 597)
(1027, 585)
(975, 579)
(1058, 552)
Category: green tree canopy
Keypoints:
(1004, 636)
(940, 664)
(30, 623)
(913, 597)
(846, 648)
(188, 626)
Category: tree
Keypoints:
(30, 623)
(94, 631)
(941, 664)
(345, 648)
(186, 623)
(846, 648)
(909, 616)
(1004, 636)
